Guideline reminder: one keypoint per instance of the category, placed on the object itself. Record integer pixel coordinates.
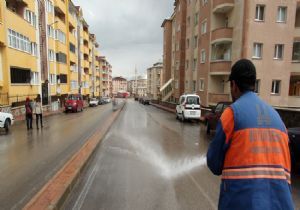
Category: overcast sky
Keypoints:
(129, 31)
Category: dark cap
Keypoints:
(243, 72)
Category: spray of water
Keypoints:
(154, 155)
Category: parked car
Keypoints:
(93, 102)
(144, 100)
(6, 120)
(107, 99)
(213, 117)
(101, 101)
(74, 103)
(188, 107)
(294, 144)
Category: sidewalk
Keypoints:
(163, 108)
(21, 118)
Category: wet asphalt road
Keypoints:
(149, 160)
(28, 159)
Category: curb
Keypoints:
(164, 108)
(55, 191)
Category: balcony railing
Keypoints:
(220, 67)
(221, 34)
(222, 6)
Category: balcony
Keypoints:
(222, 6)
(220, 67)
(86, 64)
(214, 98)
(73, 57)
(221, 34)
(86, 36)
(60, 6)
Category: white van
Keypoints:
(188, 107)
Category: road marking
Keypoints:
(211, 202)
(86, 189)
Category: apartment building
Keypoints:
(56, 53)
(220, 32)
(154, 81)
(119, 85)
(106, 70)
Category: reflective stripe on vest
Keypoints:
(256, 173)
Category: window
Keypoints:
(176, 84)
(257, 86)
(275, 87)
(53, 79)
(296, 51)
(73, 67)
(61, 57)
(60, 36)
(203, 27)
(50, 31)
(51, 55)
(194, 64)
(63, 78)
(187, 64)
(176, 46)
(72, 48)
(281, 15)
(201, 84)
(74, 84)
(221, 51)
(30, 17)
(19, 75)
(260, 12)
(188, 21)
(35, 80)
(204, 2)
(194, 85)
(195, 41)
(19, 42)
(196, 19)
(49, 7)
(278, 54)
(203, 56)
(34, 48)
(187, 43)
(257, 50)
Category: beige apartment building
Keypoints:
(106, 70)
(119, 85)
(138, 85)
(213, 34)
(154, 80)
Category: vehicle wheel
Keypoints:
(207, 128)
(182, 117)
(7, 125)
(177, 116)
(81, 109)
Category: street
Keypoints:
(28, 159)
(149, 160)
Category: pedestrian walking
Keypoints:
(28, 112)
(250, 149)
(38, 110)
